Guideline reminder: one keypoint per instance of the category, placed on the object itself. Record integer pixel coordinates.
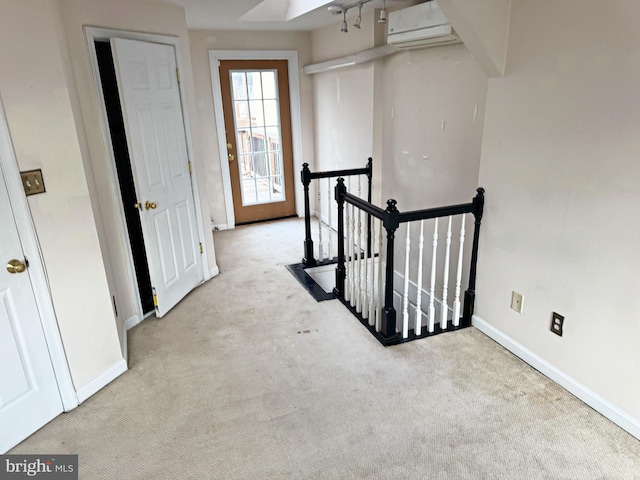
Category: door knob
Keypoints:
(149, 205)
(16, 266)
(229, 146)
(137, 206)
(232, 157)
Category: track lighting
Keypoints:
(341, 8)
(383, 13)
(359, 19)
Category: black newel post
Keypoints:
(470, 294)
(391, 222)
(340, 268)
(369, 197)
(308, 259)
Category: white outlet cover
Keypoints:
(517, 301)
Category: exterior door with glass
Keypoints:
(257, 117)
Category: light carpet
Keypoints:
(250, 378)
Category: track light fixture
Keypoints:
(341, 8)
(383, 13)
(359, 19)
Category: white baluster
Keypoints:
(372, 281)
(365, 289)
(347, 242)
(405, 301)
(359, 262)
(456, 301)
(354, 277)
(348, 295)
(432, 291)
(418, 328)
(329, 208)
(320, 247)
(380, 283)
(444, 312)
(358, 250)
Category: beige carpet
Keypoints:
(249, 378)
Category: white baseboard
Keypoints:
(102, 380)
(220, 227)
(125, 344)
(131, 322)
(595, 401)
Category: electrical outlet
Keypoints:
(557, 321)
(516, 301)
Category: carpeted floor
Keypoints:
(250, 378)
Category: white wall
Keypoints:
(344, 112)
(434, 102)
(347, 106)
(201, 41)
(433, 114)
(560, 165)
(38, 105)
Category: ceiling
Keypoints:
(268, 14)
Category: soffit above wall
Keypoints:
(484, 29)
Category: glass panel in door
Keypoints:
(258, 135)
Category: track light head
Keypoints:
(383, 13)
(344, 21)
(359, 19)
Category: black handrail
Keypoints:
(391, 220)
(367, 207)
(306, 176)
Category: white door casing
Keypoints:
(152, 110)
(29, 396)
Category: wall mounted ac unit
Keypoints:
(420, 26)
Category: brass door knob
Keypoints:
(229, 146)
(16, 266)
(150, 205)
(232, 157)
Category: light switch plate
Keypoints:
(32, 182)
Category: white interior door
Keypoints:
(29, 396)
(152, 110)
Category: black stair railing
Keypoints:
(306, 175)
(385, 328)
